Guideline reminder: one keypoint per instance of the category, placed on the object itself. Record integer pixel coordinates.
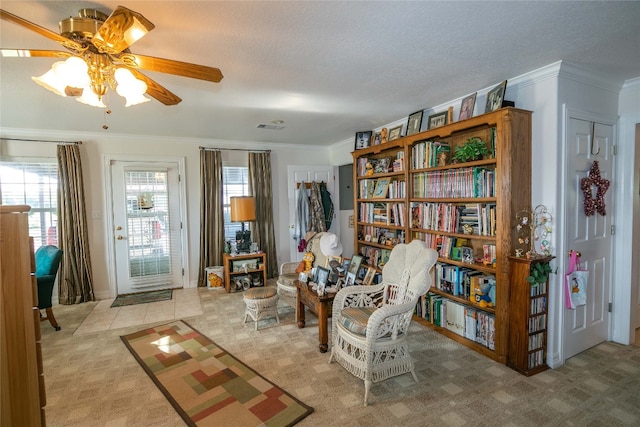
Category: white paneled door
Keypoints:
(146, 226)
(589, 324)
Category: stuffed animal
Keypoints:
(368, 169)
(482, 294)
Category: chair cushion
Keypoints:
(260, 293)
(288, 279)
(355, 319)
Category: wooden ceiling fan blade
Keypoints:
(68, 43)
(27, 53)
(169, 66)
(121, 29)
(157, 91)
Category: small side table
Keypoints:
(258, 258)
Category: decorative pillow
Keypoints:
(355, 319)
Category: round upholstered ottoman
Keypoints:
(261, 302)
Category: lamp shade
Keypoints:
(243, 209)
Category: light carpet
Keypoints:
(207, 385)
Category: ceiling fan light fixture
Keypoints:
(53, 79)
(89, 97)
(130, 88)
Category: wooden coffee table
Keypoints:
(320, 306)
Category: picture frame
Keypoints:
(322, 276)
(467, 106)
(438, 119)
(345, 265)
(363, 139)
(414, 122)
(377, 138)
(354, 266)
(382, 187)
(351, 279)
(381, 165)
(368, 277)
(395, 133)
(330, 258)
(495, 97)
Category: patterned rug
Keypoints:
(142, 297)
(208, 386)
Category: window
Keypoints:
(235, 183)
(33, 184)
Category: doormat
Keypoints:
(207, 385)
(142, 297)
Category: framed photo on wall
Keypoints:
(495, 97)
(414, 122)
(363, 139)
(466, 108)
(437, 120)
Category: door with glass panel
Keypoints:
(146, 226)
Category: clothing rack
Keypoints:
(307, 185)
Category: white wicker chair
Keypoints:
(288, 274)
(370, 324)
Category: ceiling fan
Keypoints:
(102, 42)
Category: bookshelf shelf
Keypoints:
(442, 202)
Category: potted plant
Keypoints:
(539, 273)
(473, 149)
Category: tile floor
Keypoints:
(185, 303)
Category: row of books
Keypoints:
(478, 218)
(383, 213)
(538, 289)
(537, 323)
(380, 165)
(455, 183)
(465, 321)
(536, 341)
(391, 189)
(538, 305)
(425, 154)
(536, 358)
(467, 283)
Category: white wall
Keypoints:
(96, 146)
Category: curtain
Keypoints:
(75, 282)
(211, 212)
(260, 188)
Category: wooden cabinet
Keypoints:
(22, 392)
(528, 318)
(255, 263)
(438, 193)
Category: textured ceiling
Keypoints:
(327, 69)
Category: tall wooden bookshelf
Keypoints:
(502, 185)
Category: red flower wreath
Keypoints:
(592, 205)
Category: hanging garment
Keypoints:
(301, 225)
(327, 205)
(316, 211)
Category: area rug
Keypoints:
(208, 386)
(142, 297)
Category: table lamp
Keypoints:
(243, 209)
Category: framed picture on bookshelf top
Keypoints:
(495, 97)
(395, 133)
(437, 120)
(466, 108)
(382, 188)
(363, 139)
(414, 122)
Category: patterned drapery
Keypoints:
(260, 187)
(75, 282)
(211, 212)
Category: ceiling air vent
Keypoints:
(270, 127)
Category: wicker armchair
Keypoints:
(287, 273)
(370, 323)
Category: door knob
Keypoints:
(119, 237)
(118, 228)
